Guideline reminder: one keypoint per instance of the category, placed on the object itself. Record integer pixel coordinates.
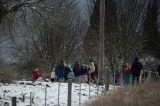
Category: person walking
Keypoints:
(35, 74)
(76, 69)
(52, 76)
(136, 69)
(96, 70)
(84, 71)
(116, 75)
(126, 72)
(91, 70)
(158, 70)
(66, 71)
(59, 70)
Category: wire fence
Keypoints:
(30, 99)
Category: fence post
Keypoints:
(23, 98)
(80, 91)
(97, 87)
(89, 85)
(98, 82)
(70, 77)
(30, 99)
(114, 76)
(69, 92)
(14, 101)
(58, 92)
(45, 95)
(4, 95)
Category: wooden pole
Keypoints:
(30, 99)
(69, 103)
(89, 85)
(98, 83)
(107, 79)
(14, 102)
(45, 95)
(80, 91)
(58, 92)
(23, 98)
(114, 76)
(102, 31)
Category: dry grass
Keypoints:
(142, 95)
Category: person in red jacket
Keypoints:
(124, 66)
(35, 74)
(125, 74)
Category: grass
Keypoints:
(142, 95)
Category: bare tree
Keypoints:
(54, 31)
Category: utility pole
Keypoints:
(102, 31)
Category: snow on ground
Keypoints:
(22, 87)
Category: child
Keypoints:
(116, 75)
(52, 74)
(126, 76)
(84, 73)
(35, 74)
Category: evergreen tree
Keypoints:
(151, 33)
(91, 40)
(122, 30)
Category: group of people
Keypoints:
(126, 70)
(84, 72)
(61, 71)
(135, 70)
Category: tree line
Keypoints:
(131, 29)
(42, 32)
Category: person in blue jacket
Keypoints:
(59, 70)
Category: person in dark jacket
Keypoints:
(67, 69)
(96, 70)
(76, 69)
(116, 75)
(136, 69)
(83, 69)
(158, 70)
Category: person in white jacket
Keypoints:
(92, 70)
(52, 76)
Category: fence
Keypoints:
(29, 98)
